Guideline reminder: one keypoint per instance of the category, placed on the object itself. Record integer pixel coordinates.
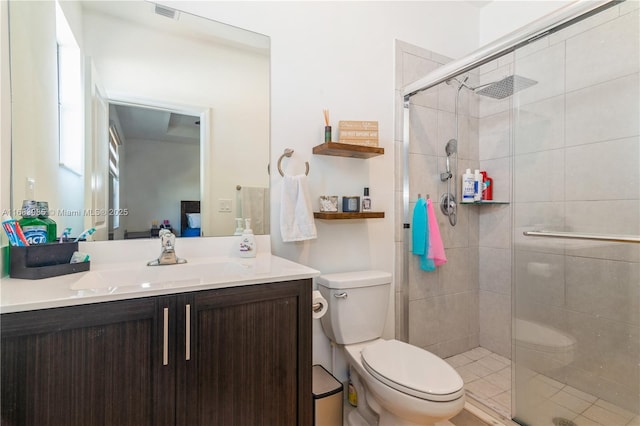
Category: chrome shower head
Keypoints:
(505, 87)
(451, 147)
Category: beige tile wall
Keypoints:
(443, 304)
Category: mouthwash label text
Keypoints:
(35, 234)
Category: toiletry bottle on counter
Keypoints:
(43, 214)
(239, 229)
(366, 201)
(247, 241)
(468, 180)
(33, 228)
(477, 186)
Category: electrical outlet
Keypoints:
(224, 205)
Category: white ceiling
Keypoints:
(155, 125)
(183, 25)
(478, 3)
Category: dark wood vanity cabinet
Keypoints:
(232, 356)
(85, 365)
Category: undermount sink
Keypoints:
(147, 277)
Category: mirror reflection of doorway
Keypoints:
(154, 164)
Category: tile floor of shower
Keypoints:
(487, 379)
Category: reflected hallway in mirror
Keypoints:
(154, 165)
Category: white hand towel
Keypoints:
(254, 202)
(296, 214)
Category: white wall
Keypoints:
(155, 186)
(5, 125)
(500, 17)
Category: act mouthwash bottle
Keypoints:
(34, 229)
(43, 214)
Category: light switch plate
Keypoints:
(224, 205)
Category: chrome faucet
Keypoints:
(168, 254)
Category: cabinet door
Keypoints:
(250, 360)
(98, 364)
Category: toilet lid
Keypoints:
(412, 370)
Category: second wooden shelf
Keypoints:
(343, 215)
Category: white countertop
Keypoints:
(119, 272)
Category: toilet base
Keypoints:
(387, 418)
(355, 419)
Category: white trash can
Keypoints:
(327, 398)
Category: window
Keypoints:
(70, 105)
(114, 173)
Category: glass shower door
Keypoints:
(576, 169)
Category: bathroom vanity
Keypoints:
(188, 352)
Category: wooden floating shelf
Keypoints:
(343, 215)
(347, 150)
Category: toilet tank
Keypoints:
(357, 305)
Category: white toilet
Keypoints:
(397, 383)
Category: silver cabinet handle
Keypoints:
(342, 295)
(165, 338)
(187, 339)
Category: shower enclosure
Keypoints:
(538, 306)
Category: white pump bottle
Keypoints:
(247, 241)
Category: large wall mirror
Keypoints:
(128, 115)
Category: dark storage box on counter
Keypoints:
(44, 261)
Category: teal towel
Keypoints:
(420, 234)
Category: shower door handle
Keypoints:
(579, 236)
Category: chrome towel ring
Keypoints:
(287, 153)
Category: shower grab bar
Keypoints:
(579, 236)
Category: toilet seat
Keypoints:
(413, 371)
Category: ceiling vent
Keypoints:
(166, 12)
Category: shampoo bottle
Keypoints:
(487, 192)
(477, 186)
(468, 180)
(247, 241)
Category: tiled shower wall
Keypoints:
(495, 220)
(443, 304)
(466, 302)
(577, 169)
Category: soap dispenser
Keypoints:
(247, 241)
(239, 229)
